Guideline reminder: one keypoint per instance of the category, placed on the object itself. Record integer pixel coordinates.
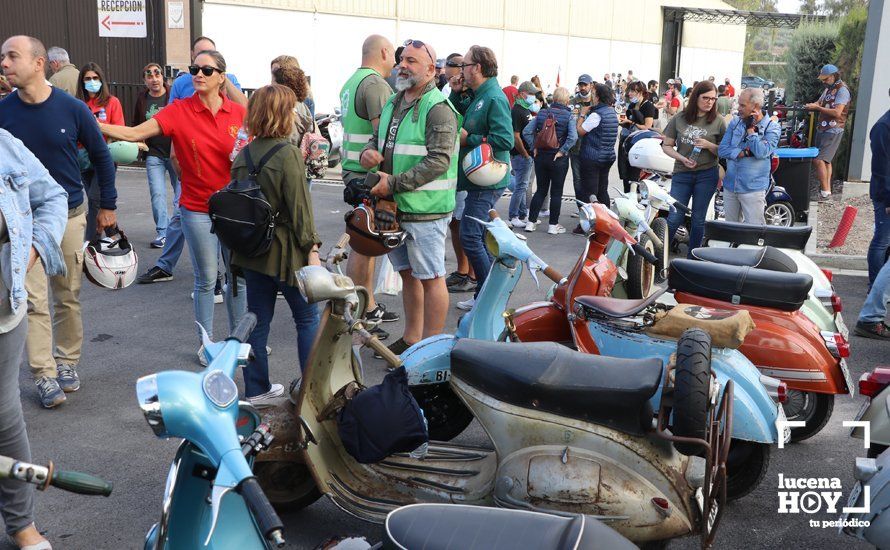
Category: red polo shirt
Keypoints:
(203, 143)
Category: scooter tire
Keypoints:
(824, 405)
(692, 382)
(446, 415)
(782, 209)
(288, 485)
(875, 450)
(746, 467)
(640, 273)
(660, 227)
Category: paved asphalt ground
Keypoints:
(149, 328)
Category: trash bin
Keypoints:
(793, 173)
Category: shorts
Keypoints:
(459, 202)
(828, 142)
(423, 251)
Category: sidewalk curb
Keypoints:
(830, 261)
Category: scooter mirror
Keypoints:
(317, 284)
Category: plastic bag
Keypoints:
(388, 281)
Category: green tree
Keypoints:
(812, 45)
(848, 57)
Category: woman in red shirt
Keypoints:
(93, 90)
(203, 128)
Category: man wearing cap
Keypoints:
(520, 156)
(441, 79)
(415, 153)
(832, 108)
(578, 103)
(672, 101)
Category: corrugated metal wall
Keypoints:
(73, 25)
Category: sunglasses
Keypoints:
(462, 65)
(419, 44)
(206, 70)
(92, 78)
(153, 72)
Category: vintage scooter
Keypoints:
(875, 410)
(638, 278)
(573, 433)
(212, 499)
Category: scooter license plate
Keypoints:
(786, 431)
(862, 409)
(847, 378)
(700, 500)
(841, 326)
(851, 502)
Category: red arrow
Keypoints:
(104, 22)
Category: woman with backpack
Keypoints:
(282, 179)
(204, 128)
(551, 134)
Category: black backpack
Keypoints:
(241, 216)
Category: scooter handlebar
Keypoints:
(655, 238)
(268, 521)
(493, 214)
(648, 256)
(84, 484)
(682, 207)
(244, 328)
(552, 274)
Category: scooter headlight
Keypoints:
(147, 395)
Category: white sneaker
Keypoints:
(269, 399)
(824, 194)
(516, 222)
(544, 214)
(556, 229)
(575, 215)
(467, 305)
(531, 226)
(202, 358)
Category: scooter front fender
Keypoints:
(429, 361)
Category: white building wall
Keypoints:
(572, 37)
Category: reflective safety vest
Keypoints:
(357, 131)
(437, 196)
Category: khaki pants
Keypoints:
(66, 324)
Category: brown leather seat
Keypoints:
(618, 307)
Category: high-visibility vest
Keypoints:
(357, 131)
(437, 196)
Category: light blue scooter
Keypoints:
(755, 410)
(212, 499)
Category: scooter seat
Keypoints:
(737, 233)
(465, 527)
(768, 258)
(618, 307)
(547, 376)
(740, 285)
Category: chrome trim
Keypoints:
(167, 503)
(149, 403)
(793, 374)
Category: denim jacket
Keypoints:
(35, 209)
(751, 173)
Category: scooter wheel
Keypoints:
(660, 227)
(875, 450)
(746, 467)
(692, 382)
(780, 214)
(288, 485)
(446, 415)
(640, 273)
(813, 408)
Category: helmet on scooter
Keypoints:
(482, 168)
(110, 261)
(647, 154)
(365, 238)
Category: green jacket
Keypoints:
(283, 182)
(486, 116)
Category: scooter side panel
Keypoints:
(754, 412)
(542, 322)
(429, 361)
(877, 414)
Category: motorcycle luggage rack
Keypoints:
(716, 447)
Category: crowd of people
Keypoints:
(410, 120)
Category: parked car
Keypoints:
(757, 82)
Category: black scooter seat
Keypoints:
(547, 376)
(737, 233)
(768, 258)
(465, 527)
(618, 308)
(740, 285)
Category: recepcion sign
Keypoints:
(121, 18)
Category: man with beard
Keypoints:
(413, 151)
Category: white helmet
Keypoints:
(482, 168)
(110, 262)
(647, 154)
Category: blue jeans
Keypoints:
(156, 167)
(472, 233)
(880, 242)
(262, 291)
(522, 171)
(205, 250)
(175, 239)
(875, 307)
(700, 187)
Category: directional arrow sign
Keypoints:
(121, 18)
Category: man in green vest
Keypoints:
(486, 118)
(361, 101)
(415, 154)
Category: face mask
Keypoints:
(534, 107)
(93, 86)
(635, 99)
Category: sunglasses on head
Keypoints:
(419, 44)
(152, 72)
(206, 70)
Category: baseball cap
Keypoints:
(585, 79)
(528, 87)
(440, 63)
(670, 81)
(828, 70)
